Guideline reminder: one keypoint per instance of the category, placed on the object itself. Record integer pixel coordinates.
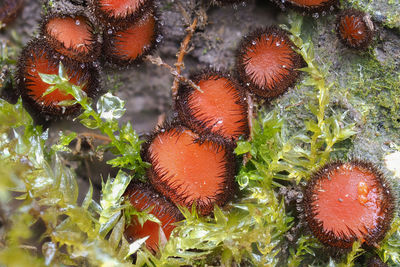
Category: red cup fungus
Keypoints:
(267, 63)
(219, 109)
(142, 197)
(129, 44)
(37, 58)
(72, 36)
(355, 29)
(345, 202)
(189, 171)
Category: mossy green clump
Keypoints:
(375, 90)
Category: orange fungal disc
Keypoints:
(309, 6)
(37, 58)
(128, 45)
(267, 63)
(142, 197)
(345, 202)
(72, 36)
(355, 28)
(120, 12)
(187, 171)
(220, 109)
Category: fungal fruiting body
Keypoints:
(118, 12)
(345, 202)
(219, 108)
(309, 6)
(143, 197)
(267, 63)
(37, 58)
(187, 171)
(127, 45)
(355, 28)
(71, 36)
(9, 10)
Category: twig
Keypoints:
(161, 120)
(96, 136)
(250, 111)
(159, 62)
(181, 54)
(247, 157)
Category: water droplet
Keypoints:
(77, 22)
(159, 38)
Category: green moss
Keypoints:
(375, 90)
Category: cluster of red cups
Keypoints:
(193, 164)
(111, 33)
(192, 158)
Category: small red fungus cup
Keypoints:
(120, 12)
(355, 28)
(267, 63)
(72, 36)
(142, 197)
(128, 45)
(219, 109)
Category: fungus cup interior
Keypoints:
(74, 33)
(219, 107)
(132, 42)
(268, 61)
(119, 8)
(188, 172)
(349, 201)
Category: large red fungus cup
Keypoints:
(345, 202)
(188, 171)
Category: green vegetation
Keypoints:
(378, 88)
